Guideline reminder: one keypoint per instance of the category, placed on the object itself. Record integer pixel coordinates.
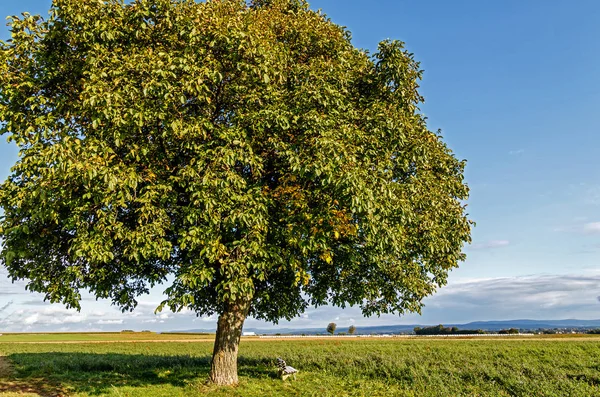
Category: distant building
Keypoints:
(249, 333)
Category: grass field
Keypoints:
(362, 367)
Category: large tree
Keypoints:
(245, 155)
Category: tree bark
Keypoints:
(223, 370)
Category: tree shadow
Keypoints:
(58, 374)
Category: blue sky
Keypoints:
(515, 88)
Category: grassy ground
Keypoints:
(394, 367)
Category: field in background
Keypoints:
(101, 337)
(328, 367)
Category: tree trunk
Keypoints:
(223, 370)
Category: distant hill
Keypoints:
(532, 324)
(405, 328)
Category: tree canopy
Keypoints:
(331, 327)
(247, 156)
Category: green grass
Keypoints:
(409, 367)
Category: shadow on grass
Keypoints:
(56, 374)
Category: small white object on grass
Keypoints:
(285, 371)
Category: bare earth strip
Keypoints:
(5, 368)
(8, 387)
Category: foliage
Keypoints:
(331, 327)
(509, 331)
(355, 367)
(441, 330)
(351, 329)
(240, 152)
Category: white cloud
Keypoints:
(490, 244)
(7, 287)
(516, 152)
(50, 315)
(148, 304)
(580, 228)
(592, 227)
(106, 322)
(73, 319)
(6, 306)
(33, 319)
(538, 297)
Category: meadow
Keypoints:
(328, 367)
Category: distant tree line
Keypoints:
(508, 331)
(594, 331)
(441, 330)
